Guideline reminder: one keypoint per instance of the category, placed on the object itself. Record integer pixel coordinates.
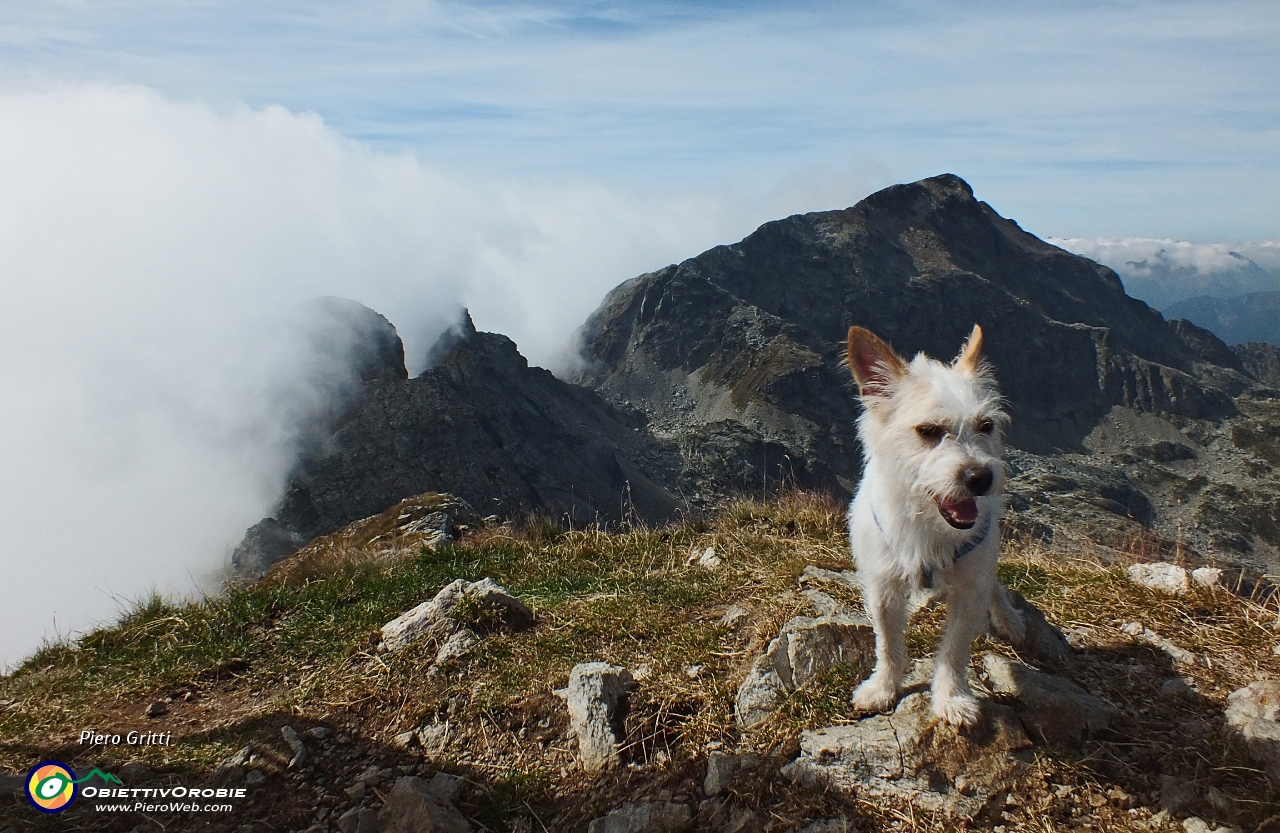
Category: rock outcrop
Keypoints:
(480, 424)
(909, 756)
(802, 650)
(490, 607)
(597, 699)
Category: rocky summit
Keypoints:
(722, 375)
(1122, 422)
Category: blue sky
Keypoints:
(1138, 118)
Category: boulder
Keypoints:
(1157, 575)
(597, 708)
(803, 649)
(911, 757)
(1253, 713)
(413, 807)
(1052, 708)
(359, 820)
(296, 746)
(489, 605)
(643, 817)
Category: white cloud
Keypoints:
(1161, 271)
(154, 259)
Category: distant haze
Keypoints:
(157, 260)
(1163, 272)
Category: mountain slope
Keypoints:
(1236, 320)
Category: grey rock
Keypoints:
(1260, 360)
(255, 776)
(704, 558)
(712, 377)
(457, 646)
(803, 649)
(404, 740)
(1253, 713)
(824, 603)
(158, 708)
(742, 820)
(492, 598)
(1141, 633)
(356, 791)
(908, 755)
(643, 817)
(296, 746)
(434, 738)
(235, 763)
(374, 775)
(1053, 708)
(1167, 578)
(435, 619)
(359, 820)
(723, 768)
(445, 786)
(597, 707)
(430, 619)
(1208, 576)
(412, 807)
(318, 733)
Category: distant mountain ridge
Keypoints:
(753, 331)
(1237, 320)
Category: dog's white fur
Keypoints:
(929, 430)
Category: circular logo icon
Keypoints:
(51, 786)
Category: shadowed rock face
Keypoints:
(480, 424)
(754, 331)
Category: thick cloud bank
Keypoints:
(1165, 271)
(158, 260)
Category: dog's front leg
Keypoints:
(953, 701)
(886, 604)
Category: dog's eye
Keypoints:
(986, 426)
(931, 433)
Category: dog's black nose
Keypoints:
(978, 479)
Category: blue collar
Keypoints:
(961, 551)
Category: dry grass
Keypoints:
(299, 648)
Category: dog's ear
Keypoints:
(971, 354)
(874, 364)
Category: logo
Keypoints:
(51, 786)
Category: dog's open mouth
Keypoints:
(962, 514)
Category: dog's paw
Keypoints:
(876, 694)
(960, 710)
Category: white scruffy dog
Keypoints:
(927, 512)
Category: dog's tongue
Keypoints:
(960, 513)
